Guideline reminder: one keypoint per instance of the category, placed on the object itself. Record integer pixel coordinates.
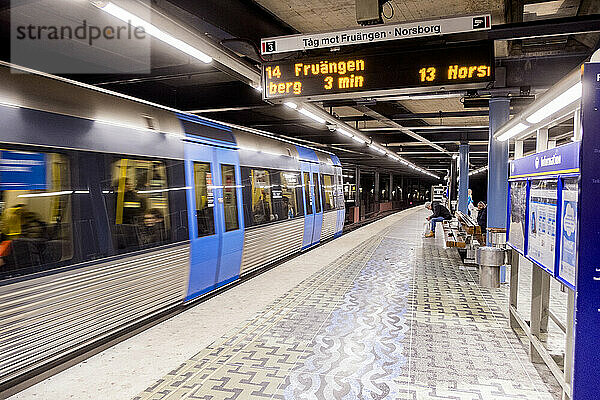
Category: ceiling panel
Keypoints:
(325, 15)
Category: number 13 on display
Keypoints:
(427, 74)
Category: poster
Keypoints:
(568, 237)
(518, 204)
(542, 223)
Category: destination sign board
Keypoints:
(378, 33)
(340, 74)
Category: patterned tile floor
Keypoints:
(398, 317)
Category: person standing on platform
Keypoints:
(440, 213)
(470, 203)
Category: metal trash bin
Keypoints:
(489, 259)
(497, 238)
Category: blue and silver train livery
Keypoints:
(114, 211)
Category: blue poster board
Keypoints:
(22, 170)
(535, 208)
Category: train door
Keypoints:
(318, 222)
(340, 202)
(204, 253)
(309, 206)
(229, 202)
(216, 228)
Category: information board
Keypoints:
(518, 215)
(368, 72)
(541, 239)
(568, 237)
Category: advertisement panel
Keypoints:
(518, 215)
(568, 238)
(21, 170)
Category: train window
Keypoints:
(340, 192)
(317, 184)
(290, 205)
(307, 198)
(229, 197)
(35, 208)
(205, 199)
(328, 193)
(261, 197)
(141, 204)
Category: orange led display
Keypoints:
(465, 64)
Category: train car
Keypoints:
(114, 211)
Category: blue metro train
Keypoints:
(114, 210)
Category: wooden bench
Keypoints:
(452, 235)
(470, 226)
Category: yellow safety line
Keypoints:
(56, 180)
(564, 171)
(121, 191)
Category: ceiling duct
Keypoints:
(368, 12)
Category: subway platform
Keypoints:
(380, 313)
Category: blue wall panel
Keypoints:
(586, 373)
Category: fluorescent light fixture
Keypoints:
(310, 115)
(153, 31)
(46, 194)
(344, 132)
(358, 139)
(423, 97)
(515, 130)
(377, 149)
(561, 101)
(291, 105)
(479, 170)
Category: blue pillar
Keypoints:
(497, 189)
(463, 178)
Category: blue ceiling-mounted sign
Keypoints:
(22, 170)
(560, 160)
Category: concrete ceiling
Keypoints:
(523, 59)
(531, 65)
(324, 15)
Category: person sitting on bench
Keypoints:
(482, 216)
(440, 213)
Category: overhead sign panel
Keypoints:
(335, 74)
(559, 160)
(379, 33)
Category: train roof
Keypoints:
(28, 88)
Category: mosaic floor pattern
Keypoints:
(398, 317)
